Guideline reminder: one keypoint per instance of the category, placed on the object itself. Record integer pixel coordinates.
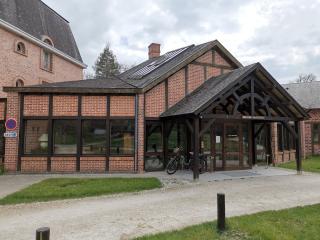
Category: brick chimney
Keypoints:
(154, 50)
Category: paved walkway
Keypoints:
(128, 215)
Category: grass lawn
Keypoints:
(65, 188)
(311, 164)
(296, 223)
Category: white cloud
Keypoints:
(284, 35)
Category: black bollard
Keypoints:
(43, 233)
(221, 212)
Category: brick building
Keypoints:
(199, 98)
(36, 46)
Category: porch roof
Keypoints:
(214, 88)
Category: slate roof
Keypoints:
(307, 94)
(164, 70)
(111, 85)
(207, 91)
(37, 19)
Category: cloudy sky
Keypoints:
(283, 35)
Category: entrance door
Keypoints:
(218, 142)
(263, 147)
(231, 146)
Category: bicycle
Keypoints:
(180, 161)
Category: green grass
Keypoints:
(311, 164)
(296, 223)
(66, 188)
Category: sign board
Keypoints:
(10, 134)
(11, 124)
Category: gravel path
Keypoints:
(129, 215)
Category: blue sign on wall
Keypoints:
(11, 124)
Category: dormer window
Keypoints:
(47, 40)
(20, 48)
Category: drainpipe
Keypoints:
(136, 133)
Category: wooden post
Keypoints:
(43, 233)
(196, 149)
(298, 147)
(221, 212)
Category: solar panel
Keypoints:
(140, 73)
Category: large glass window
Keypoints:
(36, 137)
(94, 137)
(316, 133)
(122, 137)
(154, 146)
(65, 137)
(285, 139)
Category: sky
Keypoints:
(283, 35)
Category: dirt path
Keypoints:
(126, 216)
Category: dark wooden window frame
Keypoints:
(79, 118)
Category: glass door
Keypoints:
(232, 146)
(218, 147)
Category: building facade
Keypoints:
(36, 47)
(198, 98)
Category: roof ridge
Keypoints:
(54, 11)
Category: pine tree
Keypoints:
(106, 64)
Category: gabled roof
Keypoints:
(213, 88)
(307, 94)
(37, 19)
(150, 73)
(142, 77)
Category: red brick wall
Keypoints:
(176, 87)
(65, 105)
(121, 164)
(36, 105)
(94, 106)
(93, 164)
(155, 101)
(205, 58)
(213, 72)
(122, 106)
(11, 147)
(195, 77)
(219, 60)
(33, 164)
(16, 66)
(311, 148)
(140, 133)
(63, 164)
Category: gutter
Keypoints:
(40, 43)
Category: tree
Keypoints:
(304, 78)
(106, 64)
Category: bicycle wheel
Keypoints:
(172, 166)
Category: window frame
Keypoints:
(159, 154)
(23, 53)
(313, 133)
(106, 137)
(42, 64)
(78, 121)
(24, 124)
(110, 136)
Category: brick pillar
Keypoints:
(274, 144)
(303, 139)
(12, 144)
(140, 133)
